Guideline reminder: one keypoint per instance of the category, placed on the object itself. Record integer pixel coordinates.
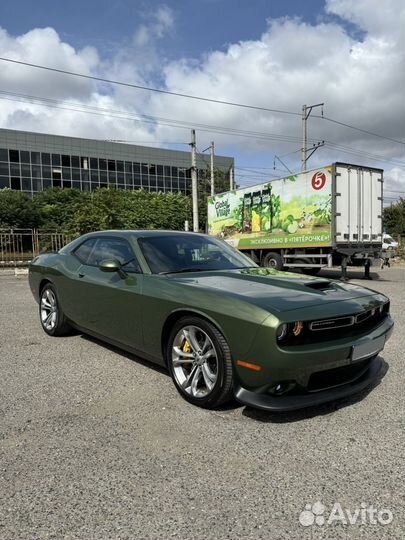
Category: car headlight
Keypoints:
(282, 331)
(289, 330)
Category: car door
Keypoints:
(110, 304)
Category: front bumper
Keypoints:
(358, 367)
(293, 402)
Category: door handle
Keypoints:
(81, 275)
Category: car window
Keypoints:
(114, 248)
(182, 253)
(84, 250)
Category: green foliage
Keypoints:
(78, 212)
(394, 218)
(17, 210)
(56, 206)
(118, 209)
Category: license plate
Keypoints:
(368, 349)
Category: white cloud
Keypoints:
(360, 79)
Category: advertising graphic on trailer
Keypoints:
(288, 212)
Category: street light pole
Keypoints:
(194, 187)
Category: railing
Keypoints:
(19, 246)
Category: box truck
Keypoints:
(320, 218)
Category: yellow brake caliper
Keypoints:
(186, 347)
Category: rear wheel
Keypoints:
(199, 360)
(52, 318)
(273, 260)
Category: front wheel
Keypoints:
(52, 318)
(199, 360)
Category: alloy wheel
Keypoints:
(195, 361)
(49, 309)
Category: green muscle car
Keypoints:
(222, 325)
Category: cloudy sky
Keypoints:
(279, 55)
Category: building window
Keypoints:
(120, 166)
(65, 161)
(102, 164)
(93, 163)
(66, 173)
(111, 165)
(46, 171)
(3, 154)
(46, 159)
(4, 182)
(15, 183)
(56, 160)
(75, 161)
(25, 170)
(4, 169)
(14, 156)
(15, 169)
(24, 156)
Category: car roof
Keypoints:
(139, 232)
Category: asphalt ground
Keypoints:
(97, 444)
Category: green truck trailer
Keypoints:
(323, 217)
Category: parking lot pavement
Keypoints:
(96, 444)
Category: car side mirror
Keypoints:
(110, 265)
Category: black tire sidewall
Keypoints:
(223, 355)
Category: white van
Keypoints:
(389, 243)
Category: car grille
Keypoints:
(321, 380)
(342, 327)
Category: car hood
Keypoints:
(274, 290)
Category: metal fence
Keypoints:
(19, 246)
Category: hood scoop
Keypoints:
(319, 285)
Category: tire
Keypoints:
(206, 383)
(273, 260)
(52, 318)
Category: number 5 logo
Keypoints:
(318, 180)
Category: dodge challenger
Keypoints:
(222, 326)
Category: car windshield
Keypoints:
(190, 253)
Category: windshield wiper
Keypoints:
(184, 270)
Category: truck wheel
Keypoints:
(273, 260)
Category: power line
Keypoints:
(99, 111)
(328, 119)
(148, 88)
(125, 115)
(190, 96)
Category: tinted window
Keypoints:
(113, 248)
(84, 250)
(189, 252)
(14, 155)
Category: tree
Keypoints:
(394, 218)
(118, 209)
(17, 210)
(56, 206)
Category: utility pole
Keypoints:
(306, 111)
(194, 187)
(212, 148)
(231, 179)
